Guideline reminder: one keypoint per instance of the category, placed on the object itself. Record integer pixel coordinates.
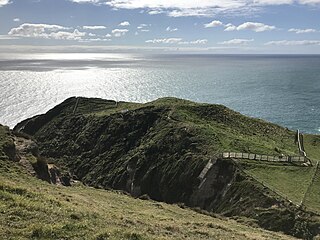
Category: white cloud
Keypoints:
(255, 26)
(6, 37)
(143, 28)
(16, 19)
(155, 12)
(125, 23)
(94, 27)
(212, 24)
(61, 35)
(178, 8)
(95, 40)
(165, 40)
(273, 2)
(4, 2)
(294, 42)
(46, 31)
(143, 25)
(311, 2)
(108, 35)
(170, 29)
(176, 41)
(34, 30)
(86, 1)
(298, 31)
(119, 32)
(195, 42)
(230, 27)
(236, 41)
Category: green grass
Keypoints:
(168, 137)
(312, 201)
(33, 209)
(236, 133)
(312, 146)
(6, 141)
(290, 181)
(227, 130)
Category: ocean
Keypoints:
(283, 89)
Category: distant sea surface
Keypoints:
(283, 89)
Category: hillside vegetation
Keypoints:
(33, 209)
(160, 148)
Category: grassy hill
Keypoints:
(160, 148)
(34, 209)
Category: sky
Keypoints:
(225, 26)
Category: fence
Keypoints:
(268, 158)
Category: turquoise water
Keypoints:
(278, 88)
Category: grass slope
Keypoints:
(33, 209)
(287, 180)
(6, 143)
(292, 182)
(169, 141)
(312, 201)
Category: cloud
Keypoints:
(230, 27)
(255, 26)
(86, 1)
(165, 40)
(123, 24)
(95, 40)
(61, 35)
(179, 8)
(236, 41)
(16, 19)
(94, 27)
(46, 31)
(6, 37)
(273, 2)
(34, 30)
(311, 2)
(4, 2)
(195, 42)
(298, 31)
(143, 28)
(119, 32)
(176, 41)
(170, 29)
(293, 42)
(143, 25)
(212, 24)
(155, 12)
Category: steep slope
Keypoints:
(34, 209)
(160, 149)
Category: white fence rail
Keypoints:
(268, 158)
